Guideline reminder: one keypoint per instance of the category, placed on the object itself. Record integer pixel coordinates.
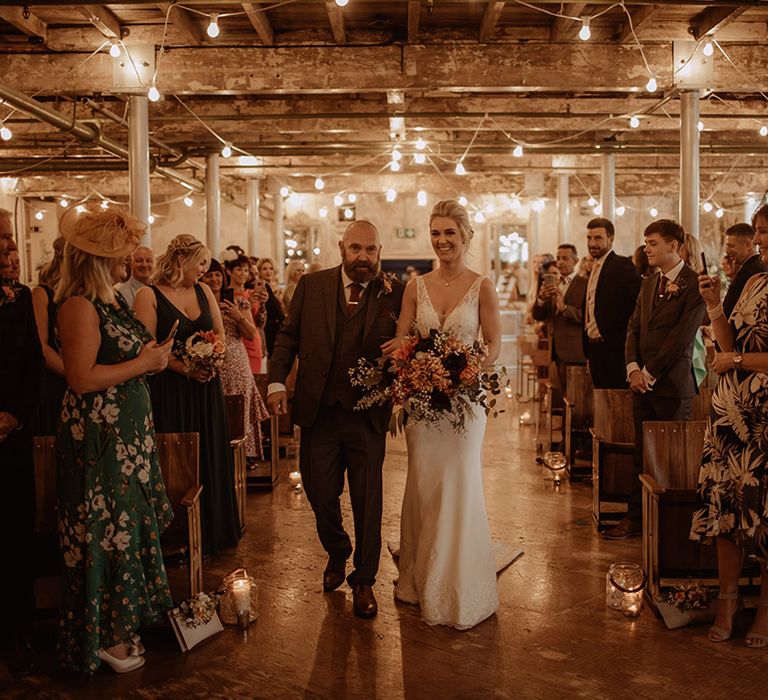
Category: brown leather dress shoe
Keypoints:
(334, 574)
(624, 530)
(364, 602)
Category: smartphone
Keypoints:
(228, 294)
(550, 278)
(172, 333)
(705, 268)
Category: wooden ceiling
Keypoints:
(311, 89)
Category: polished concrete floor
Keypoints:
(552, 637)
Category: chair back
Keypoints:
(44, 455)
(235, 410)
(179, 457)
(613, 415)
(579, 393)
(702, 403)
(672, 452)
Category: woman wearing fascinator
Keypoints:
(112, 504)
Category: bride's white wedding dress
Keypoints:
(447, 563)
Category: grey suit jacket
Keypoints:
(660, 336)
(567, 327)
(309, 333)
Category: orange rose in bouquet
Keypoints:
(203, 351)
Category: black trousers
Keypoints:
(341, 441)
(606, 363)
(647, 407)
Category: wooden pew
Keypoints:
(266, 473)
(671, 459)
(579, 417)
(702, 404)
(613, 442)
(48, 594)
(235, 408)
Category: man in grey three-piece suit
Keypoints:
(336, 317)
(659, 348)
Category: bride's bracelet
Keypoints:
(715, 312)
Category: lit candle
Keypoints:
(241, 593)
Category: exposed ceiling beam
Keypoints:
(491, 17)
(565, 29)
(260, 23)
(103, 19)
(641, 16)
(414, 12)
(711, 20)
(31, 25)
(181, 19)
(336, 18)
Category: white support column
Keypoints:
(689, 161)
(212, 204)
(277, 232)
(563, 203)
(608, 186)
(252, 211)
(138, 162)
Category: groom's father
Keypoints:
(336, 317)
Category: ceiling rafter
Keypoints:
(260, 23)
(414, 13)
(713, 19)
(31, 25)
(103, 19)
(181, 20)
(491, 17)
(336, 18)
(564, 29)
(641, 17)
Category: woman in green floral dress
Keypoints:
(112, 501)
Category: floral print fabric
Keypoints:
(112, 505)
(733, 484)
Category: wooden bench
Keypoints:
(579, 417)
(702, 404)
(48, 593)
(613, 444)
(235, 408)
(265, 475)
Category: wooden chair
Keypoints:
(179, 456)
(702, 403)
(47, 582)
(235, 408)
(579, 416)
(266, 473)
(671, 459)
(613, 444)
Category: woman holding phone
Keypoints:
(186, 401)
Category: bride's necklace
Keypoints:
(447, 283)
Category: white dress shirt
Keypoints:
(593, 332)
(129, 289)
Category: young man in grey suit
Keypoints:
(562, 305)
(336, 317)
(659, 349)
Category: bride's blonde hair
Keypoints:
(451, 209)
(183, 253)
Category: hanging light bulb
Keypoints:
(338, 200)
(653, 211)
(396, 155)
(319, 183)
(700, 125)
(598, 210)
(620, 210)
(64, 202)
(707, 207)
(394, 166)
(651, 85)
(5, 133)
(226, 150)
(584, 32)
(188, 201)
(537, 205)
(634, 122)
(285, 191)
(80, 209)
(391, 194)
(213, 26)
(114, 49)
(763, 130)
(591, 202)
(348, 213)
(719, 213)
(460, 169)
(708, 49)
(489, 208)
(323, 212)
(517, 151)
(421, 198)
(104, 204)
(420, 158)
(463, 201)
(479, 218)
(151, 219)
(39, 215)
(153, 94)
(352, 197)
(515, 204)
(342, 3)
(421, 144)
(316, 251)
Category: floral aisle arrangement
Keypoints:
(195, 619)
(203, 351)
(686, 604)
(430, 377)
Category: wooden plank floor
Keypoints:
(551, 638)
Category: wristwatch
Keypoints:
(737, 360)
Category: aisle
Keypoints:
(552, 637)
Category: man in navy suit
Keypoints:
(740, 248)
(610, 299)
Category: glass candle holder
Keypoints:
(624, 586)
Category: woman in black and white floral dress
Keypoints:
(733, 481)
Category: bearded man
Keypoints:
(336, 317)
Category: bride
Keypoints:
(447, 562)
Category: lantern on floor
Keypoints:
(239, 599)
(555, 462)
(292, 457)
(624, 586)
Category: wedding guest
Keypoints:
(237, 271)
(236, 375)
(729, 267)
(585, 266)
(562, 305)
(293, 273)
(640, 261)
(740, 246)
(659, 348)
(611, 294)
(52, 382)
(275, 313)
(142, 267)
(14, 271)
(733, 481)
(112, 504)
(20, 367)
(314, 267)
(192, 400)
(691, 255)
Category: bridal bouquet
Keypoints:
(427, 379)
(204, 351)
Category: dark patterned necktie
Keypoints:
(355, 290)
(662, 289)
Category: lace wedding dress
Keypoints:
(447, 562)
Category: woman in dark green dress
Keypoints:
(192, 401)
(112, 501)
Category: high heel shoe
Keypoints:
(755, 640)
(135, 647)
(719, 634)
(121, 665)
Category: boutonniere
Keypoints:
(7, 293)
(385, 281)
(674, 289)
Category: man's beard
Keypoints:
(360, 271)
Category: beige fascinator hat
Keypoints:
(108, 233)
